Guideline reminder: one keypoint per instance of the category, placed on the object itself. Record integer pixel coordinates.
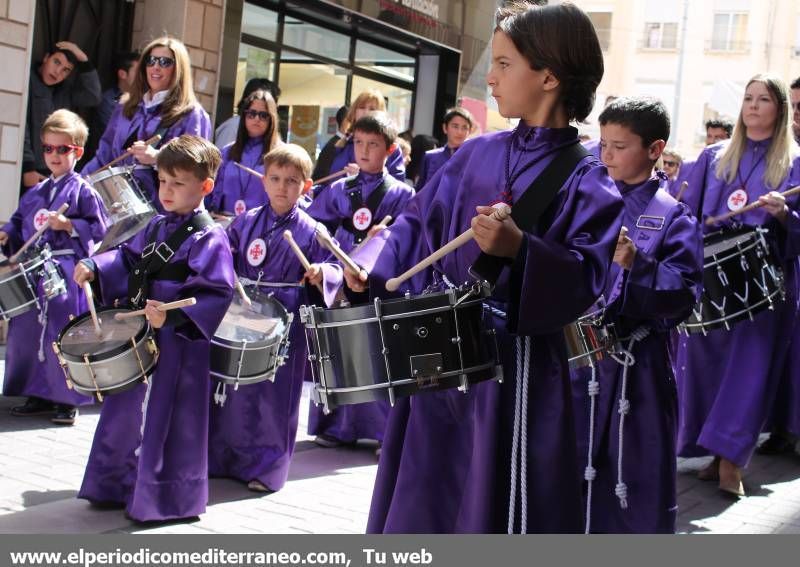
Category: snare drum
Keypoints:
(589, 340)
(128, 210)
(252, 342)
(400, 347)
(18, 283)
(123, 356)
(741, 277)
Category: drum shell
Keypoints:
(588, 340)
(18, 288)
(732, 248)
(115, 370)
(419, 334)
(128, 210)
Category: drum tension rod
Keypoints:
(63, 364)
(94, 381)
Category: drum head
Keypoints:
(79, 338)
(263, 322)
(123, 230)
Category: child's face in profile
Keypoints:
(284, 184)
(57, 162)
(371, 151)
(623, 153)
(181, 191)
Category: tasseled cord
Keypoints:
(628, 360)
(519, 445)
(590, 472)
(220, 394)
(43, 323)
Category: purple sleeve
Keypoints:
(105, 148)
(214, 199)
(324, 206)
(422, 178)
(696, 180)
(196, 122)
(89, 221)
(396, 165)
(111, 273)
(332, 276)
(666, 284)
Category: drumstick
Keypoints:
(163, 307)
(248, 170)
(386, 220)
(245, 298)
(154, 140)
(750, 207)
(329, 177)
(328, 243)
(682, 190)
(287, 235)
(87, 289)
(13, 258)
(502, 211)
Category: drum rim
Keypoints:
(29, 265)
(100, 357)
(98, 176)
(720, 322)
(285, 316)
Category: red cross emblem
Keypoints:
(256, 252)
(362, 218)
(40, 218)
(239, 207)
(737, 200)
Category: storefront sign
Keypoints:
(427, 7)
(422, 11)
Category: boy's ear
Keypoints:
(208, 186)
(307, 186)
(78, 153)
(656, 149)
(390, 150)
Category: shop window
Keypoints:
(316, 39)
(376, 58)
(253, 62)
(260, 22)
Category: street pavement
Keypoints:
(329, 490)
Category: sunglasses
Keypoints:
(60, 150)
(163, 61)
(670, 163)
(253, 114)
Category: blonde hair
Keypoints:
(674, 154)
(291, 155)
(65, 122)
(180, 98)
(782, 148)
(373, 96)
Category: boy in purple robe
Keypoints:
(150, 449)
(727, 380)
(356, 206)
(161, 101)
(236, 190)
(253, 429)
(31, 366)
(630, 401)
(457, 125)
(502, 457)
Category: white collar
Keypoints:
(154, 100)
(60, 177)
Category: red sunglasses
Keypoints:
(60, 150)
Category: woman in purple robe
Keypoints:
(457, 125)
(253, 429)
(503, 457)
(627, 403)
(727, 380)
(161, 101)
(237, 190)
(32, 368)
(150, 448)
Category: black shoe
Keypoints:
(65, 415)
(33, 406)
(776, 444)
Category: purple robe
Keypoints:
(367, 420)
(593, 146)
(32, 368)
(432, 162)
(394, 163)
(727, 380)
(658, 291)
(446, 459)
(252, 435)
(142, 126)
(235, 187)
(150, 449)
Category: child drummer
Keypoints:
(652, 285)
(151, 445)
(253, 430)
(33, 371)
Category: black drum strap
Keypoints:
(356, 202)
(155, 263)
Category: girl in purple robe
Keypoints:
(161, 101)
(627, 403)
(727, 380)
(236, 190)
(150, 448)
(356, 206)
(345, 159)
(457, 125)
(503, 456)
(31, 366)
(253, 429)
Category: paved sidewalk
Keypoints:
(41, 467)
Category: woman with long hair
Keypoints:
(727, 379)
(236, 190)
(161, 101)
